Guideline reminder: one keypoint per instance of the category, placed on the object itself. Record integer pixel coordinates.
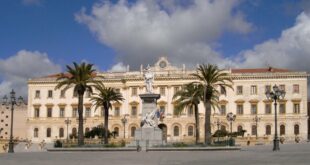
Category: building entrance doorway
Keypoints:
(163, 127)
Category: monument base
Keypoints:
(147, 137)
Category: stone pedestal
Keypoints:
(148, 136)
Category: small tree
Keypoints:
(103, 98)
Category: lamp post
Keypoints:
(231, 117)
(68, 121)
(256, 119)
(11, 102)
(124, 121)
(218, 123)
(275, 95)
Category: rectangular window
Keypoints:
(134, 111)
(253, 90)
(49, 112)
(50, 94)
(37, 94)
(175, 112)
(87, 112)
(62, 94)
(75, 94)
(282, 87)
(282, 108)
(162, 91)
(74, 112)
(240, 109)
(267, 88)
(223, 110)
(117, 111)
(37, 112)
(267, 109)
(117, 90)
(190, 111)
(62, 112)
(295, 88)
(296, 108)
(253, 109)
(239, 90)
(223, 90)
(102, 111)
(87, 94)
(162, 109)
(176, 89)
(134, 91)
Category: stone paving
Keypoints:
(290, 154)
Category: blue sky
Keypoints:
(112, 34)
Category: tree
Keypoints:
(211, 78)
(98, 131)
(103, 98)
(189, 97)
(81, 77)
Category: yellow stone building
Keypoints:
(49, 108)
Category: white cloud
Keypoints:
(140, 32)
(291, 50)
(119, 67)
(32, 2)
(17, 69)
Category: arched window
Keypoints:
(223, 127)
(190, 131)
(254, 129)
(190, 112)
(268, 130)
(132, 131)
(296, 129)
(116, 131)
(74, 132)
(36, 132)
(48, 132)
(86, 129)
(282, 130)
(176, 131)
(61, 132)
(239, 128)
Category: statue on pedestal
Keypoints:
(148, 78)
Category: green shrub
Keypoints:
(179, 144)
(97, 131)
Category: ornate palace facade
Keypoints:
(49, 108)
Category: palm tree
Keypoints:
(81, 77)
(189, 97)
(103, 98)
(211, 77)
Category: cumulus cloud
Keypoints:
(291, 50)
(17, 69)
(119, 67)
(142, 31)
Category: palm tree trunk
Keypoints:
(106, 124)
(207, 122)
(197, 123)
(81, 121)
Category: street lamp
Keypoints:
(231, 117)
(68, 121)
(11, 102)
(256, 119)
(275, 95)
(218, 123)
(124, 121)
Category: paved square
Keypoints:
(290, 154)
